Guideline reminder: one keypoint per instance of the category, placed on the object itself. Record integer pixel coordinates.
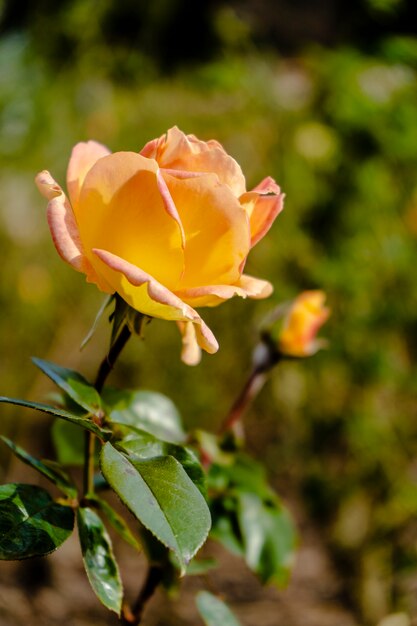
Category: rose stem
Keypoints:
(250, 390)
(104, 370)
(133, 616)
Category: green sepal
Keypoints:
(164, 499)
(213, 611)
(100, 564)
(116, 521)
(107, 301)
(50, 470)
(75, 385)
(146, 410)
(83, 422)
(119, 317)
(31, 522)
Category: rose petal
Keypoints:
(177, 151)
(212, 295)
(64, 229)
(147, 295)
(170, 207)
(125, 207)
(84, 155)
(262, 205)
(216, 228)
(191, 351)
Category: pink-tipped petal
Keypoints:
(205, 338)
(255, 288)
(262, 205)
(61, 221)
(212, 295)
(170, 207)
(84, 155)
(64, 229)
(48, 187)
(151, 150)
(182, 174)
(268, 185)
(191, 351)
(147, 295)
(177, 151)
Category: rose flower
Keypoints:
(168, 229)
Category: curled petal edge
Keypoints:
(262, 205)
(212, 295)
(64, 229)
(169, 205)
(173, 307)
(175, 147)
(84, 155)
(191, 351)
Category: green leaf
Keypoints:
(116, 520)
(31, 522)
(268, 536)
(99, 561)
(145, 446)
(75, 385)
(191, 465)
(69, 443)
(198, 567)
(242, 472)
(213, 611)
(249, 519)
(84, 422)
(225, 528)
(54, 473)
(161, 495)
(147, 410)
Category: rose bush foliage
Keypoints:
(169, 228)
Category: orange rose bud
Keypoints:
(301, 324)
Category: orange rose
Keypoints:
(301, 324)
(168, 229)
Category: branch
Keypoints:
(104, 370)
(133, 616)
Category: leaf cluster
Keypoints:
(159, 480)
(143, 456)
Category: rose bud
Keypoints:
(301, 324)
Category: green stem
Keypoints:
(109, 360)
(104, 370)
(89, 450)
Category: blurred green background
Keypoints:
(320, 95)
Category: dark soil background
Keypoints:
(54, 591)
